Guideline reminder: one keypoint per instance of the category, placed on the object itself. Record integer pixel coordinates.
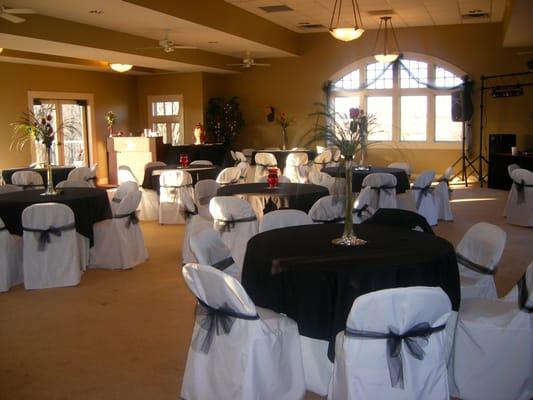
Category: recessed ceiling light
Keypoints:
(97, 12)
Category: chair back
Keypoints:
(204, 191)
(82, 174)
(266, 160)
(27, 180)
(402, 165)
(296, 167)
(154, 164)
(244, 167)
(383, 187)
(482, 244)
(171, 182)
(240, 157)
(423, 196)
(229, 176)
(8, 188)
(362, 208)
(519, 205)
(282, 219)
(511, 168)
(209, 249)
(73, 184)
(442, 193)
(125, 174)
(400, 218)
(124, 189)
(327, 209)
(176, 197)
(201, 162)
(322, 179)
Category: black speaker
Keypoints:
(462, 107)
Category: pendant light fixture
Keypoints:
(120, 67)
(349, 33)
(389, 54)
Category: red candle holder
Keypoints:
(272, 178)
(184, 160)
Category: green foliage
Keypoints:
(223, 119)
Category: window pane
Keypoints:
(446, 130)
(349, 81)
(445, 78)
(376, 78)
(343, 104)
(158, 108)
(177, 137)
(415, 69)
(381, 109)
(175, 107)
(413, 118)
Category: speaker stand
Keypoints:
(464, 160)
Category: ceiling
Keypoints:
(89, 34)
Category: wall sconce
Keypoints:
(120, 67)
(387, 56)
(346, 34)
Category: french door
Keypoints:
(69, 121)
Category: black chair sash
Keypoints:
(132, 217)
(186, 213)
(329, 221)
(447, 181)
(176, 186)
(226, 225)
(232, 182)
(523, 295)
(31, 185)
(415, 338)
(44, 234)
(3, 228)
(116, 200)
(217, 321)
(424, 191)
(359, 211)
(473, 266)
(265, 166)
(224, 263)
(521, 193)
(382, 187)
(90, 178)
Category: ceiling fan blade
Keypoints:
(147, 48)
(183, 47)
(12, 18)
(19, 11)
(260, 65)
(236, 65)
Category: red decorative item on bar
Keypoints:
(272, 179)
(184, 160)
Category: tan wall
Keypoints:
(111, 92)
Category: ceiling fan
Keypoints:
(8, 14)
(248, 62)
(167, 45)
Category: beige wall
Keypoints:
(111, 92)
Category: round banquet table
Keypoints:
(198, 172)
(281, 155)
(298, 272)
(59, 173)
(299, 196)
(359, 174)
(89, 205)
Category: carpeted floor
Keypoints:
(125, 334)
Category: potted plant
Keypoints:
(223, 119)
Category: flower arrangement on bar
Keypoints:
(110, 120)
(282, 121)
(349, 134)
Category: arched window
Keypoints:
(410, 99)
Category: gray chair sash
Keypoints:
(44, 234)
(424, 191)
(445, 180)
(226, 225)
(224, 263)
(473, 266)
(132, 217)
(523, 295)
(415, 338)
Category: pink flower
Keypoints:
(354, 113)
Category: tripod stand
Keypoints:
(464, 160)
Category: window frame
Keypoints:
(167, 119)
(396, 92)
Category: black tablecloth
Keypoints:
(358, 175)
(198, 173)
(299, 196)
(58, 173)
(281, 155)
(217, 153)
(297, 271)
(88, 204)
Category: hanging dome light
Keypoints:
(120, 67)
(387, 56)
(346, 34)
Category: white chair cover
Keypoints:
(281, 179)
(320, 161)
(201, 162)
(240, 157)
(8, 188)
(245, 169)
(519, 208)
(236, 221)
(149, 206)
(282, 219)
(328, 209)
(493, 353)
(441, 195)
(195, 224)
(174, 185)
(125, 174)
(121, 192)
(402, 165)
(10, 259)
(229, 176)
(204, 191)
(383, 187)
(323, 179)
(296, 167)
(362, 208)
(84, 174)
(335, 156)
(361, 368)
(248, 154)
(423, 197)
(264, 161)
(511, 168)
(73, 184)
(51, 259)
(209, 249)
(478, 254)
(119, 242)
(27, 180)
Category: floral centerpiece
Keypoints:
(110, 120)
(282, 121)
(349, 134)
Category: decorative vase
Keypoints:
(283, 138)
(110, 130)
(272, 178)
(50, 190)
(348, 238)
(199, 134)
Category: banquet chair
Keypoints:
(402, 165)
(373, 362)
(200, 163)
(296, 167)
(335, 157)
(10, 259)
(195, 223)
(399, 218)
(53, 253)
(519, 207)
(120, 192)
(383, 192)
(281, 179)
(209, 249)
(323, 179)
(320, 161)
(264, 161)
(248, 154)
(8, 188)
(238, 351)
(73, 184)
(172, 187)
(149, 205)
(204, 191)
(235, 219)
(27, 180)
(229, 176)
(244, 167)
(240, 157)
(493, 353)
(478, 254)
(119, 242)
(362, 208)
(422, 196)
(327, 209)
(511, 168)
(82, 174)
(125, 174)
(283, 219)
(441, 195)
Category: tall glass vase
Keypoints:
(50, 190)
(348, 237)
(284, 138)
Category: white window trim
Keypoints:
(167, 118)
(395, 92)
